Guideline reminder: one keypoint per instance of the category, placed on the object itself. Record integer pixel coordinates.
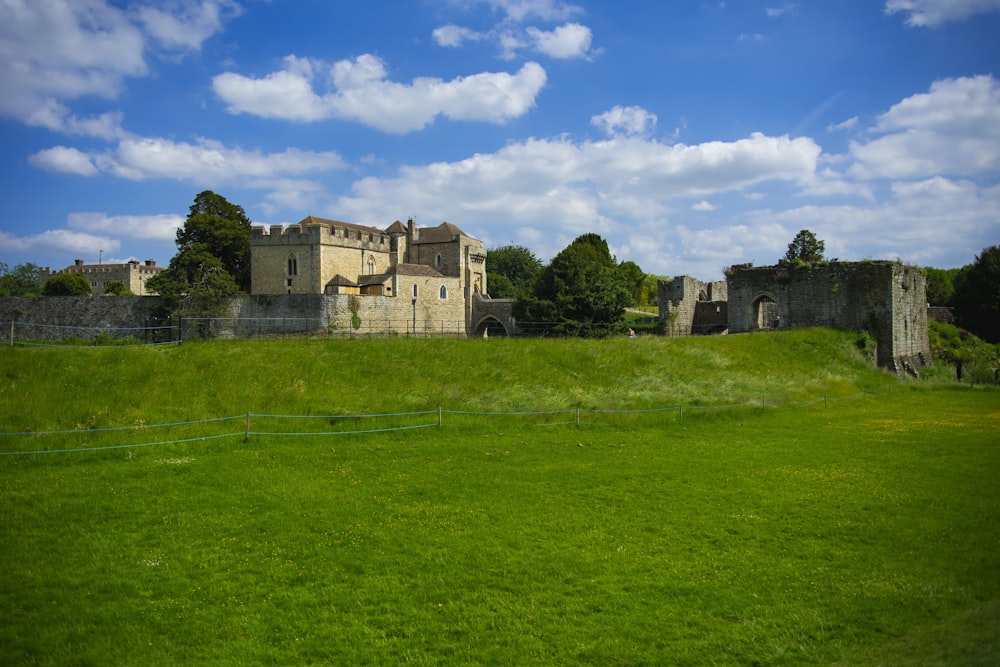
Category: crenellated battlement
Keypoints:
(316, 231)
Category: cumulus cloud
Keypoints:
(64, 159)
(61, 50)
(628, 121)
(954, 129)
(361, 92)
(204, 161)
(571, 40)
(933, 13)
(59, 243)
(546, 10)
(138, 227)
(561, 188)
(185, 25)
(452, 35)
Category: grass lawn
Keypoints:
(862, 532)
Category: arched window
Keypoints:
(443, 292)
(437, 261)
(371, 265)
(414, 290)
(293, 265)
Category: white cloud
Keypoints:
(66, 160)
(628, 121)
(54, 51)
(558, 188)
(452, 35)
(546, 10)
(205, 161)
(775, 12)
(58, 244)
(933, 13)
(185, 24)
(138, 227)
(952, 130)
(703, 207)
(571, 40)
(848, 124)
(361, 92)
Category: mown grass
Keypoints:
(865, 532)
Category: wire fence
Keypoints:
(255, 426)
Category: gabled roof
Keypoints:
(314, 220)
(443, 233)
(395, 228)
(341, 281)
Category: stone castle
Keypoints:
(887, 300)
(132, 274)
(402, 279)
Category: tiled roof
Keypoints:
(443, 233)
(395, 228)
(341, 281)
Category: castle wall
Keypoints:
(132, 274)
(690, 306)
(56, 316)
(320, 253)
(886, 299)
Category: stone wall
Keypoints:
(691, 306)
(57, 317)
(885, 299)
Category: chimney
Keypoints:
(150, 262)
(78, 262)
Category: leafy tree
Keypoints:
(515, 263)
(212, 260)
(500, 286)
(116, 288)
(650, 292)
(22, 280)
(633, 278)
(224, 229)
(67, 284)
(805, 247)
(581, 286)
(195, 282)
(977, 295)
(940, 285)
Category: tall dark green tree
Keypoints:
(224, 229)
(805, 247)
(22, 280)
(633, 278)
(212, 260)
(517, 268)
(582, 286)
(977, 295)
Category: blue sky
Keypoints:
(690, 135)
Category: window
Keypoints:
(437, 261)
(371, 265)
(288, 282)
(443, 292)
(293, 266)
(414, 290)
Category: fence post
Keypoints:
(246, 436)
(439, 417)
(682, 412)
(578, 417)
(12, 333)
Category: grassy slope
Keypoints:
(97, 387)
(864, 533)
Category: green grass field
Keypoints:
(857, 530)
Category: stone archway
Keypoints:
(492, 327)
(764, 313)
